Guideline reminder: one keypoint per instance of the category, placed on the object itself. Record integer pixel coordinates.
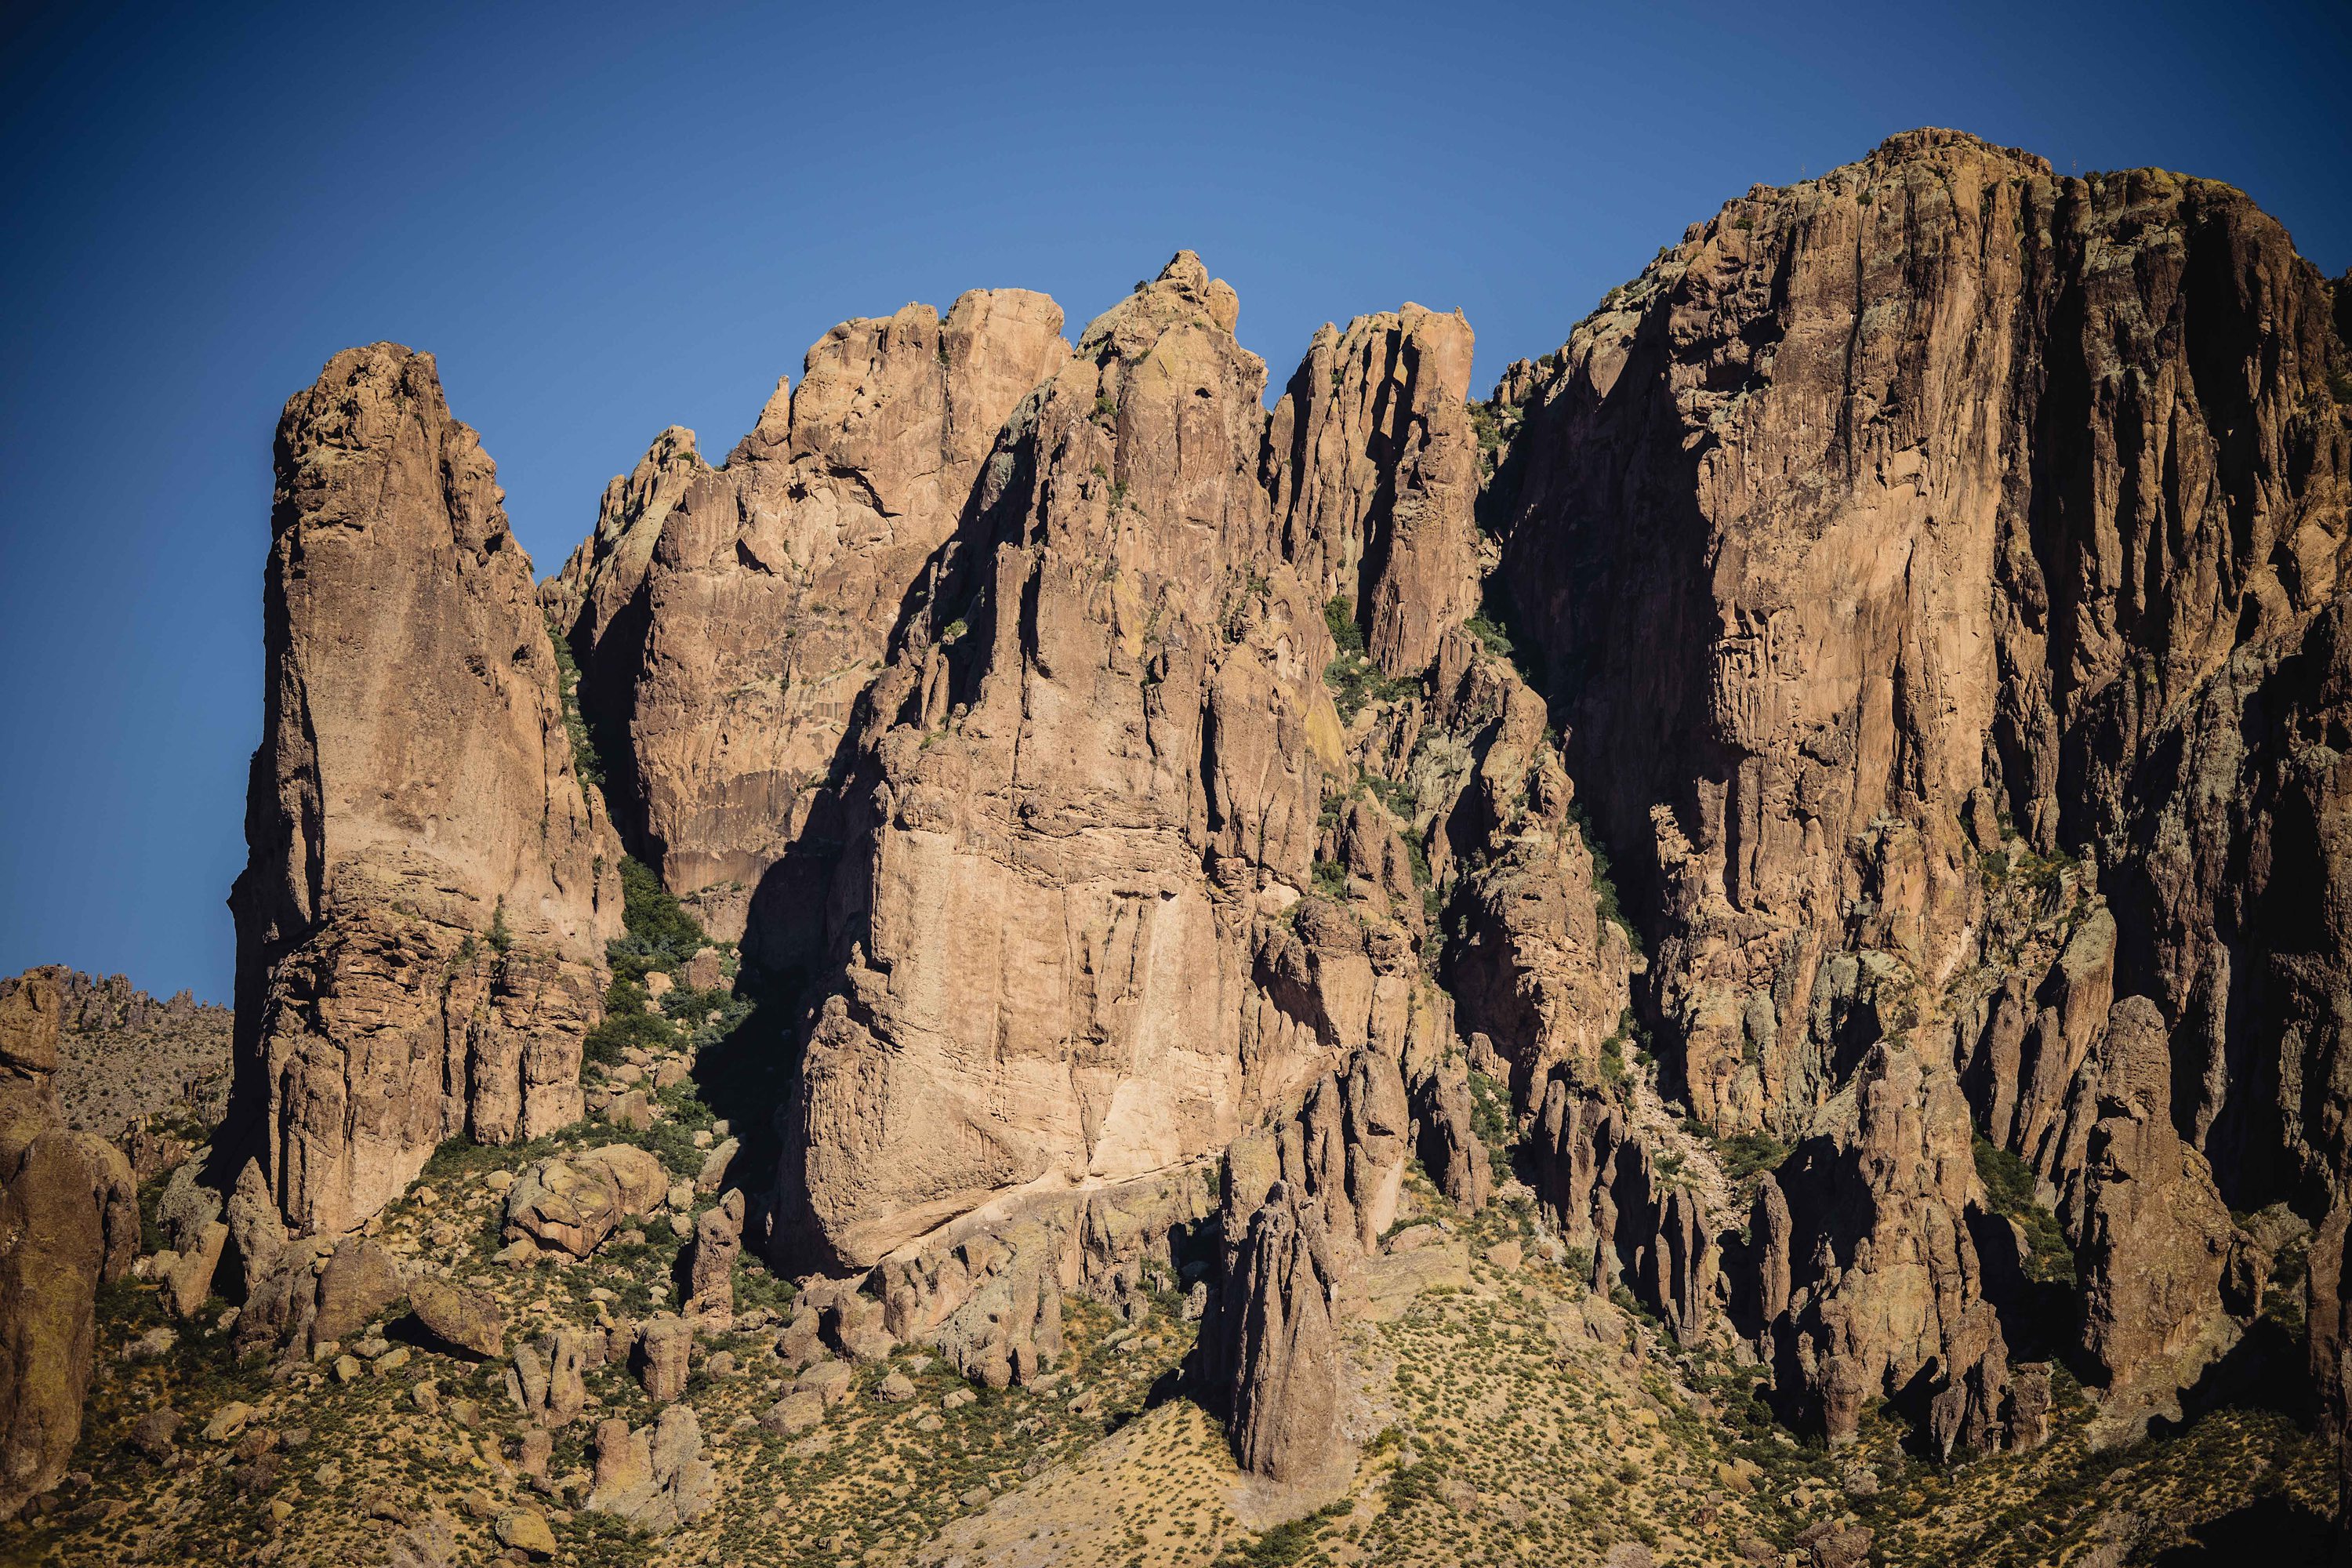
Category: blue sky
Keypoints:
(603, 221)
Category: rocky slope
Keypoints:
(125, 1057)
(1802, 825)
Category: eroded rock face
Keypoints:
(429, 885)
(1283, 1347)
(1896, 504)
(1894, 541)
(1110, 691)
(726, 620)
(69, 1223)
(2153, 1235)
(1373, 477)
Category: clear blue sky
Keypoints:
(604, 222)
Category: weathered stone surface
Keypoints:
(726, 620)
(654, 1477)
(1373, 478)
(190, 1281)
(1763, 747)
(255, 1229)
(429, 885)
(2152, 1234)
(718, 1242)
(1889, 536)
(1106, 688)
(360, 1281)
(1450, 1148)
(69, 1223)
(1283, 1348)
(462, 1319)
(663, 1343)
(571, 1203)
(987, 1288)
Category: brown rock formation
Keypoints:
(1923, 414)
(571, 1203)
(1110, 689)
(727, 620)
(1284, 1349)
(1373, 477)
(422, 917)
(69, 1223)
(1890, 535)
(2152, 1234)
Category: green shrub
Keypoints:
(585, 763)
(1745, 1154)
(2009, 1186)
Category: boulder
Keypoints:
(463, 1320)
(663, 1344)
(571, 1203)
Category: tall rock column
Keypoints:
(1284, 1347)
(429, 885)
(1372, 470)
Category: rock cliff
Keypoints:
(429, 884)
(726, 621)
(1904, 554)
(1850, 744)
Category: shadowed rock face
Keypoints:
(1887, 509)
(1924, 578)
(69, 1223)
(1888, 536)
(1285, 1349)
(726, 621)
(429, 885)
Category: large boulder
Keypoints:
(462, 1319)
(571, 1203)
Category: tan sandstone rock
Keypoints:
(429, 885)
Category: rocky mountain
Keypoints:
(124, 1057)
(1770, 882)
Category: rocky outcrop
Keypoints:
(2152, 1234)
(1451, 1149)
(463, 1320)
(1283, 1348)
(68, 1224)
(653, 1477)
(571, 1203)
(1923, 414)
(1372, 475)
(1605, 1190)
(1109, 689)
(429, 885)
(987, 1288)
(1933, 568)
(726, 620)
(1885, 1254)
